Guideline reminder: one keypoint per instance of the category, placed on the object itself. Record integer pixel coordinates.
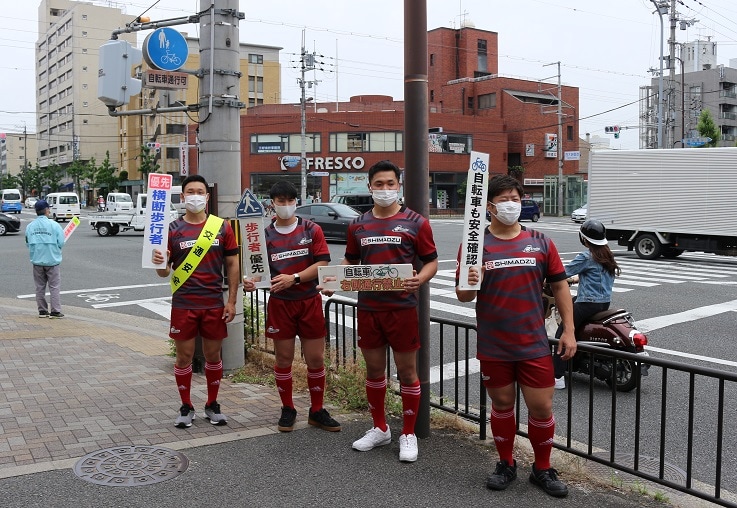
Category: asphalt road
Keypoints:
(685, 305)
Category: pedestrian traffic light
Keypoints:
(115, 84)
(154, 147)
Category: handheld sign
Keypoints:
(156, 230)
(472, 246)
(255, 257)
(364, 277)
(71, 227)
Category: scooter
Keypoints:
(613, 329)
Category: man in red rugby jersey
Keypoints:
(512, 341)
(197, 306)
(390, 233)
(296, 247)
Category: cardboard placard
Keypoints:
(364, 277)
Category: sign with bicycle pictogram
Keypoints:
(165, 49)
(364, 277)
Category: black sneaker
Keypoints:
(547, 479)
(56, 315)
(323, 420)
(503, 475)
(43, 313)
(288, 417)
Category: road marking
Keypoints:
(655, 323)
(112, 288)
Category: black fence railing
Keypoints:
(675, 429)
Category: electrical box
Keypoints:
(115, 84)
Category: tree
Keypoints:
(148, 163)
(106, 178)
(707, 128)
(51, 175)
(515, 171)
(9, 181)
(77, 171)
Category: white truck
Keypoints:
(108, 224)
(665, 202)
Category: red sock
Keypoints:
(183, 377)
(213, 375)
(316, 384)
(541, 434)
(376, 393)
(410, 406)
(504, 428)
(283, 377)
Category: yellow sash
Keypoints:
(197, 252)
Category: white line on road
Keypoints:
(73, 291)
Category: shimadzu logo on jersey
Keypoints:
(505, 263)
(381, 239)
(290, 254)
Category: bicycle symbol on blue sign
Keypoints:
(170, 58)
(478, 165)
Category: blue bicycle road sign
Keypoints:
(165, 49)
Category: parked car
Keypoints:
(530, 211)
(30, 201)
(363, 202)
(333, 218)
(8, 224)
(579, 214)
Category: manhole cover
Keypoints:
(129, 466)
(648, 465)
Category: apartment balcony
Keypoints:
(725, 115)
(727, 137)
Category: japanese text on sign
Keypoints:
(255, 257)
(475, 217)
(364, 277)
(155, 233)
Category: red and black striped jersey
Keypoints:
(296, 251)
(403, 238)
(204, 288)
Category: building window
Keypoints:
(84, 16)
(450, 143)
(84, 50)
(470, 103)
(84, 121)
(172, 152)
(259, 85)
(176, 128)
(252, 84)
(84, 34)
(284, 143)
(255, 59)
(366, 142)
(569, 133)
(85, 104)
(432, 59)
(432, 95)
(84, 68)
(487, 101)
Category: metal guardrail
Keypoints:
(691, 433)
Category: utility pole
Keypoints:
(559, 154)
(219, 132)
(303, 122)
(662, 9)
(671, 74)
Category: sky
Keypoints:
(605, 48)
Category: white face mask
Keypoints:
(507, 212)
(195, 203)
(285, 212)
(385, 197)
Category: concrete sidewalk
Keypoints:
(97, 380)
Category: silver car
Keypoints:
(579, 214)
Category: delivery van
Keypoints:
(63, 205)
(119, 202)
(176, 199)
(10, 201)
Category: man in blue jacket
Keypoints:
(45, 238)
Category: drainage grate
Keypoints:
(130, 466)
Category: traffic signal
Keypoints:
(614, 129)
(115, 84)
(155, 147)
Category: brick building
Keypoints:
(471, 107)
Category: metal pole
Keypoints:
(416, 172)
(671, 74)
(303, 126)
(560, 146)
(219, 132)
(660, 79)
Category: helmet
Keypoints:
(593, 231)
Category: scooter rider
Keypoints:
(594, 269)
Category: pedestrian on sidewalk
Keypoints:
(296, 247)
(512, 342)
(45, 240)
(390, 233)
(200, 246)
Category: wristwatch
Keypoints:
(297, 280)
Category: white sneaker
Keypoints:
(372, 438)
(407, 448)
(560, 383)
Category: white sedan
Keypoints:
(30, 201)
(579, 214)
